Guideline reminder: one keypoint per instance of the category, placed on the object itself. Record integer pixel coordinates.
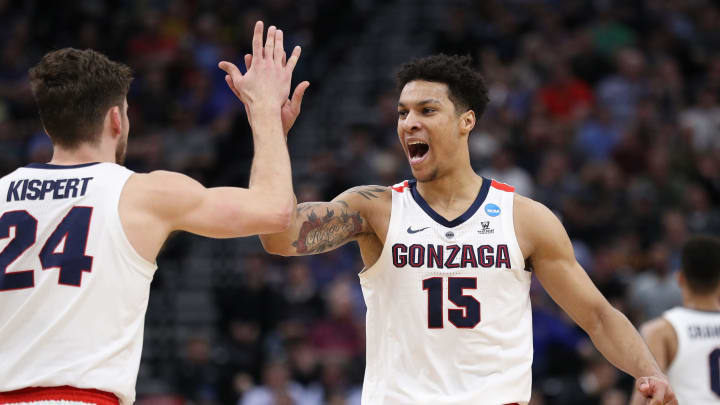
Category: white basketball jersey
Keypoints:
(448, 306)
(694, 373)
(73, 291)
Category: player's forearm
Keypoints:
(270, 174)
(618, 340)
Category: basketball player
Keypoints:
(79, 235)
(445, 279)
(686, 340)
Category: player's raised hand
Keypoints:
(656, 390)
(291, 107)
(267, 81)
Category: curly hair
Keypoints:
(74, 89)
(466, 87)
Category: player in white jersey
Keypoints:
(79, 235)
(445, 281)
(686, 340)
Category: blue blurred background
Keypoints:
(606, 111)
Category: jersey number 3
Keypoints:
(64, 249)
(467, 318)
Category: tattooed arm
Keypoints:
(318, 227)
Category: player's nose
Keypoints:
(412, 122)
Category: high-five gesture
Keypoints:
(267, 81)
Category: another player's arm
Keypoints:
(155, 204)
(553, 261)
(662, 341)
(318, 227)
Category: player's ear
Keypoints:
(467, 121)
(115, 116)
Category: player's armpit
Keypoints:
(319, 227)
(180, 203)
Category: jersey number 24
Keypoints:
(64, 249)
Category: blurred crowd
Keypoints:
(606, 111)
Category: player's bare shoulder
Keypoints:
(374, 203)
(662, 340)
(533, 223)
(373, 196)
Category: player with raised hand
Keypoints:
(79, 235)
(449, 258)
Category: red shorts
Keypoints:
(64, 393)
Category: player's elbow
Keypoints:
(277, 219)
(276, 212)
(273, 246)
(597, 318)
(284, 214)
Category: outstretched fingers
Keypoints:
(270, 43)
(299, 93)
(279, 55)
(258, 39)
(294, 58)
(231, 70)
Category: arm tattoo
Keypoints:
(367, 191)
(318, 234)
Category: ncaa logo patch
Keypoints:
(492, 210)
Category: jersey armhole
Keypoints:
(141, 262)
(510, 225)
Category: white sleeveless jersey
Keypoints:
(448, 306)
(694, 373)
(73, 291)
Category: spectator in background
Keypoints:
(253, 301)
(702, 122)
(597, 135)
(621, 92)
(655, 289)
(279, 389)
(504, 169)
(596, 380)
(565, 97)
(187, 146)
(340, 335)
(197, 377)
(241, 356)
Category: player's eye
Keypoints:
(402, 114)
(428, 110)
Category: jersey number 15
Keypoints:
(466, 318)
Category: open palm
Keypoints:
(291, 107)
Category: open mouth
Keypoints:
(417, 151)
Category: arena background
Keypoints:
(605, 111)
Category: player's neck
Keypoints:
(703, 303)
(458, 187)
(83, 154)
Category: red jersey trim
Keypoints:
(64, 393)
(503, 187)
(401, 187)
